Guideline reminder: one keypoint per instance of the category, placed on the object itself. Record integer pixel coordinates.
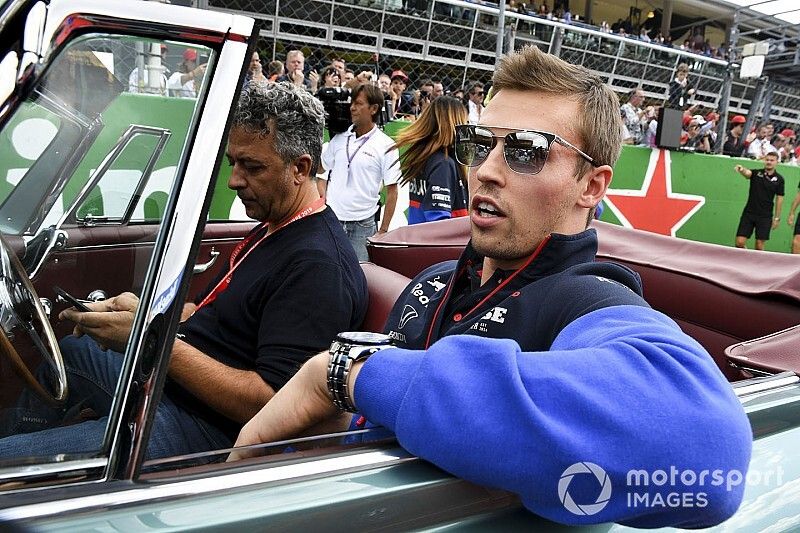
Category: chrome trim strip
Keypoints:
(763, 384)
(18, 472)
(211, 485)
(111, 157)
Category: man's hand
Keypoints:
(313, 77)
(775, 222)
(297, 77)
(365, 76)
(109, 322)
(790, 220)
(302, 403)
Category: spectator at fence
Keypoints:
(340, 65)
(402, 101)
(186, 81)
(349, 75)
(697, 138)
(141, 83)
(254, 71)
(385, 84)
(474, 102)
(275, 70)
(633, 115)
(651, 116)
(436, 181)
(330, 77)
(761, 145)
(438, 88)
(680, 90)
(295, 72)
(734, 143)
(786, 149)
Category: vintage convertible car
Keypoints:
(108, 190)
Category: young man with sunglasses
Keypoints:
(528, 363)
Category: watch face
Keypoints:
(364, 337)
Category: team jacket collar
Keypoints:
(558, 253)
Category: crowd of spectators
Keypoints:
(699, 126)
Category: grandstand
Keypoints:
(455, 41)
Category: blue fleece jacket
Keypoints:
(576, 427)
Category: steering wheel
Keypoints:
(20, 309)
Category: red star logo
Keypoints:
(655, 207)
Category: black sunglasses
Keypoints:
(525, 151)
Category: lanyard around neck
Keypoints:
(233, 264)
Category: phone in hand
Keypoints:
(64, 296)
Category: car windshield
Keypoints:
(89, 162)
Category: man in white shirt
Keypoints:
(475, 103)
(761, 146)
(359, 161)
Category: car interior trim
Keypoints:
(49, 469)
(210, 485)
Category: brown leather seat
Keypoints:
(385, 286)
(771, 354)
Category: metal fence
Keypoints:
(455, 41)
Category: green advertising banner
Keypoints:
(693, 196)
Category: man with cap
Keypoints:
(402, 101)
(697, 136)
(786, 138)
(734, 143)
(186, 81)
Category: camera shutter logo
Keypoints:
(602, 498)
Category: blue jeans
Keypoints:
(92, 375)
(358, 231)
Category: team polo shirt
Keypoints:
(358, 167)
(763, 189)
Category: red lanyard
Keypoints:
(233, 264)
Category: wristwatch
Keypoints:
(347, 348)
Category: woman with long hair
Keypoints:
(436, 181)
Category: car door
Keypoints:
(102, 189)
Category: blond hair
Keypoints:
(433, 131)
(597, 123)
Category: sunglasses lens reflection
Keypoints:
(525, 152)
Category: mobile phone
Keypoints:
(64, 296)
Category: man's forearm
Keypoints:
(236, 394)
(388, 210)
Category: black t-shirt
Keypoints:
(733, 146)
(286, 301)
(763, 189)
